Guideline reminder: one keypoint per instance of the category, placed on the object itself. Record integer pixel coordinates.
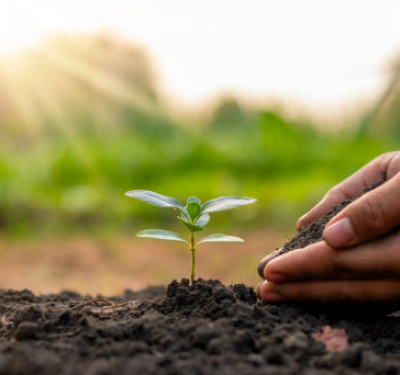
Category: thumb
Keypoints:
(370, 216)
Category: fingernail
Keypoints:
(261, 266)
(339, 233)
(299, 220)
(266, 260)
(276, 277)
(268, 293)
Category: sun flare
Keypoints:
(14, 40)
(329, 69)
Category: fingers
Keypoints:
(265, 260)
(331, 199)
(393, 164)
(319, 261)
(332, 291)
(371, 216)
(384, 167)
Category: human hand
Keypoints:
(369, 268)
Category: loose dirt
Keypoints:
(207, 328)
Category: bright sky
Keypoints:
(327, 55)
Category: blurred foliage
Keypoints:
(84, 124)
(383, 119)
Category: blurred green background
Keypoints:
(82, 121)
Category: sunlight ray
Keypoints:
(21, 102)
(53, 107)
(105, 83)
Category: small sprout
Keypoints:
(193, 207)
(194, 216)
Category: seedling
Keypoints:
(194, 216)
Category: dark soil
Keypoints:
(207, 328)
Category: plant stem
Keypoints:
(193, 251)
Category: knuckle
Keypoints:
(385, 155)
(332, 193)
(393, 167)
(334, 190)
(385, 163)
(340, 268)
(383, 159)
(389, 262)
(372, 213)
(338, 191)
(380, 164)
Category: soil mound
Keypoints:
(207, 328)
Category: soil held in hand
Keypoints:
(313, 232)
(207, 328)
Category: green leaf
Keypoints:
(220, 238)
(225, 203)
(185, 214)
(192, 227)
(203, 220)
(154, 199)
(193, 207)
(160, 234)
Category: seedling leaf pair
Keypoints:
(194, 216)
(161, 234)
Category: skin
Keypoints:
(359, 257)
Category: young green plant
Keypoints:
(194, 216)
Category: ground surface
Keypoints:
(207, 328)
(204, 329)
